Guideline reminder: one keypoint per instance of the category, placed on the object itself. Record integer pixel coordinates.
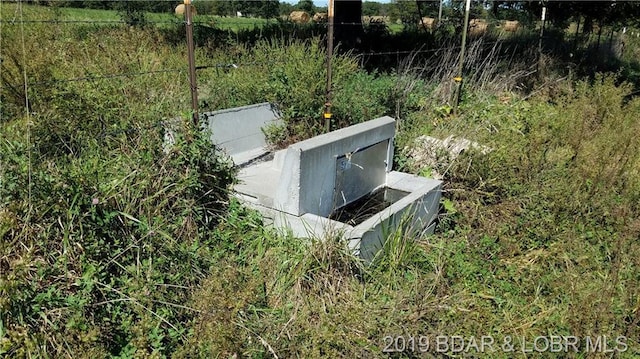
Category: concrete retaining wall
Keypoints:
(310, 167)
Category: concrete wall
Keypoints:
(413, 214)
(359, 173)
(309, 170)
(239, 130)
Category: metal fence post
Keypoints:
(192, 62)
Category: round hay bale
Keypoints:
(181, 8)
(320, 17)
(299, 17)
(375, 19)
(477, 27)
(428, 23)
(511, 26)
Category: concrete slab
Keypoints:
(415, 212)
(259, 181)
(239, 130)
(438, 154)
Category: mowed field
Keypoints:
(62, 14)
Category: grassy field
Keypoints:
(111, 246)
(159, 19)
(98, 16)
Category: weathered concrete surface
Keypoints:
(299, 187)
(416, 211)
(239, 130)
(438, 154)
(310, 166)
(359, 173)
(327, 171)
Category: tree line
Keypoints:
(560, 13)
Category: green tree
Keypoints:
(306, 5)
(407, 12)
(223, 8)
(267, 8)
(604, 13)
(371, 8)
(102, 4)
(285, 8)
(132, 12)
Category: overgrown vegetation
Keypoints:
(112, 245)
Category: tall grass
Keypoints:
(111, 247)
(102, 232)
(109, 237)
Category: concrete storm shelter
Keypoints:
(339, 183)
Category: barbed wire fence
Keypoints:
(399, 55)
(226, 24)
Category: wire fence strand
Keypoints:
(239, 65)
(177, 21)
(222, 65)
(103, 77)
